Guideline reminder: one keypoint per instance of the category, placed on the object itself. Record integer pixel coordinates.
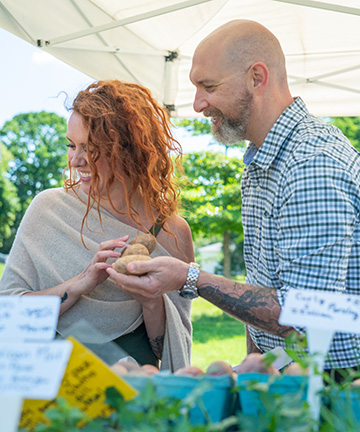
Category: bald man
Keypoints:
(300, 194)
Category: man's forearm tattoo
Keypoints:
(256, 306)
(157, 345)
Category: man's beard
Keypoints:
(229, 130)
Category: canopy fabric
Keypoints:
(151, 42)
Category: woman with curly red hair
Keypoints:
(121, 184)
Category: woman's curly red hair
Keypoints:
(132, 132)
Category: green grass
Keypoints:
(216, 336)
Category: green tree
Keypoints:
(211, 200)
(350, 126)
(9, 202)
(38, 143)
(232, 240)
(200, 126)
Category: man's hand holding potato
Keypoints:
(159, 276)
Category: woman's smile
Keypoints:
(84, 176)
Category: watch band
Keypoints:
(189, 290)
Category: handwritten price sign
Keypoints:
(33, 370)
(322, 313)
(323, 310)
(29, 318)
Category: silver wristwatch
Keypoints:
(189, 290)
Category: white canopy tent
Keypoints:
(152, 41)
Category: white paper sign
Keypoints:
(10, 413)
(30, 318)
(33, 370)
(321, 309)
(322, 313)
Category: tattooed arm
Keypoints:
(255, 306)
(154, 319)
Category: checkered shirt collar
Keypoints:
(277, 136)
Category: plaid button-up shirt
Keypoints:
(300, 213)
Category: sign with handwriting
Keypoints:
(33, 370)
(85, 381)
(322, 309)
(29, 318)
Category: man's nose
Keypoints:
(200, 101)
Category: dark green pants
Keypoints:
(137, 345)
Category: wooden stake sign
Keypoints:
(322, 313)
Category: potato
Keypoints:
(136, 249)
(120, 265)
(129, 366)
(219, 367)
(145, 239)
(119, 369)
(149, 369)
(356, 382)
(189, 371)
(137, 372)
(254, 362)
(295, 369)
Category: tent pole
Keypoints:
(123, 22)
(321, 5)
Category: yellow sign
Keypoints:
(85, 380)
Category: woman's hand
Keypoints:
(95, 273)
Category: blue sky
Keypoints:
(33, 80)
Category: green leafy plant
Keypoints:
(146, 413)
(63, 417)
(296, 348)
(340, 410)
(275, 408)
(279, 412)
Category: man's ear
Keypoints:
(259, 75)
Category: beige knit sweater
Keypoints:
(48, 251)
